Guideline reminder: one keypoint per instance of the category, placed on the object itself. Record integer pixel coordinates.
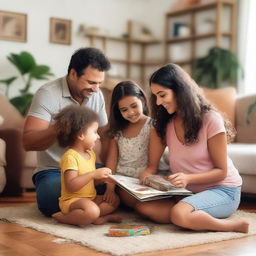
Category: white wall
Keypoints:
(110, 15)
(247, 45)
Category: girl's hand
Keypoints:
(179, 180)
(102, 173)
(110, 196)
(143, 175)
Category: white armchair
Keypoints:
(2, 165)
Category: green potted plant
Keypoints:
(28, 70)
(218, 66)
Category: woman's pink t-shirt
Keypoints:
(195, 158)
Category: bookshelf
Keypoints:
(130, 57)
(198, 28)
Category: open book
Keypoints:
(143, 192)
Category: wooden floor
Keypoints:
(17, 240)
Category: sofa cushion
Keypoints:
(246, 132)
(2, 153)
(224, 100)
(249, 184)
(2, 178)
(243, 157)
(12, 118)
(30, 159)
(2, 164)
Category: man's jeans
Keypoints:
(48, 190)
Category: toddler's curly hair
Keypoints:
(71, 120)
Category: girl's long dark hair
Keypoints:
(123, 89)
(191, 104)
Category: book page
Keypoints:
(133, 184)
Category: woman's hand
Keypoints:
(179, 180)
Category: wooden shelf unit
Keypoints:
(193, 38)
(142, 61)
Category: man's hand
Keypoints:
(38, 134)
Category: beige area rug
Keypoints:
(94, 236)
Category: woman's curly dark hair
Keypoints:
(71, 120)
(116, 121)
(191, 104)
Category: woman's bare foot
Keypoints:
(241, 226)
(115, 218)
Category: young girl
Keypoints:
(77, 129)
(131, 135)
(196, 136)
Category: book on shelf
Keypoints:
(145, 192)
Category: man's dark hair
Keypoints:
(84, 57)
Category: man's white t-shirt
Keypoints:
(47, 102)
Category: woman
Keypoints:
(197, 137)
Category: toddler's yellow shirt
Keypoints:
(74, 161)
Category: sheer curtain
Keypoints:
(247, 45)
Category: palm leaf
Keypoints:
(40, 72)
(24, 62)
(8, 81)
(22, 102)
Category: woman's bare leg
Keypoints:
(157, 210)
(183, 215)
(127, 199)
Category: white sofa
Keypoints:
(2, 165)
(243, 150)
(20, 165)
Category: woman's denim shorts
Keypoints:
(219, 202)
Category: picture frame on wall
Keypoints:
(60, 31)
(13, 26)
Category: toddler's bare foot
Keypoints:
(241, 226)
(116, 218)
(58, 216)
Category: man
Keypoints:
(80, 86)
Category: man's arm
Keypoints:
(38, 134)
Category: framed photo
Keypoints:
(60, 31)
(13, 26)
